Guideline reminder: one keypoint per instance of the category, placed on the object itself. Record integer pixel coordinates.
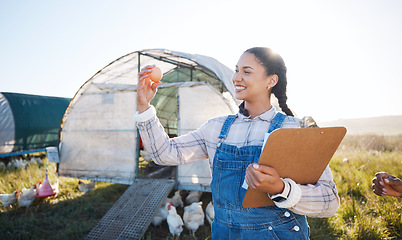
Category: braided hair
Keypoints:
(273, 64)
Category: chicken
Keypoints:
(21, 163)
(26, 197)
(28, 191)
(55, 186)
(35, 160)
(8, 199)
(145, 155)
(160, 215)
(39, 185)
(174, 221)
(193, 217)
(210, 213)
(86, 187)
(176, 199)
(193, 196)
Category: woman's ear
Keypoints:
(272, 80)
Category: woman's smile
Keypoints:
(239, 88)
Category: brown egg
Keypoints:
(156, 74)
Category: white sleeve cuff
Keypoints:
(146, 115)
(294, 195)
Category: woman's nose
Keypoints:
(236, 77)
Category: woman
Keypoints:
(233, 145)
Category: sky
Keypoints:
(343, 57)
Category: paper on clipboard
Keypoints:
(301, 154)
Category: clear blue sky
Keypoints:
(343, 57)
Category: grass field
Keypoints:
(71, 215)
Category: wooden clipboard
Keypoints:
(301, 154)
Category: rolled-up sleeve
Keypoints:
(318, 200)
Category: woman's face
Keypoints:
(250, 80)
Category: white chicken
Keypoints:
(20, 163)
(210, 213)
(145, 155)
(26, 197)
(55, 186)
(176, 199)
(193, 196)
(39, 185)
(174, 221)
(160, 215)
(193, 217)
(8, 199)
(86, 187)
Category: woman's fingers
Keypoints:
(377, 189)
(145, 70)
(154, 85)
(378, 185)
(146, 88)
(148, 67)
(263, 178)
(250, 178)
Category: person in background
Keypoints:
(233, 146)
(385, 184)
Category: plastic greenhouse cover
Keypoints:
(7, 127)
(36, 120)
(99, 135)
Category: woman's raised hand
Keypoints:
(146, 89)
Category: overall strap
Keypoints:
(226, 126)
(276, 122)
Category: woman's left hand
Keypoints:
(264, 178)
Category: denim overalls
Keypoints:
(232, 220)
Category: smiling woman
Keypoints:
(256, 77)
(234, 150)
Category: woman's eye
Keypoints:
(246, 72)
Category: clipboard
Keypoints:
(301, 154)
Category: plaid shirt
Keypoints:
(318, 200)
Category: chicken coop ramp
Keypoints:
(132, 213)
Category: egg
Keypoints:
(156, 74)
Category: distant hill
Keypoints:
(386, 125)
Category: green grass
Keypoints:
(362, 214)
(69, 215)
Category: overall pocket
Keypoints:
(229, 175)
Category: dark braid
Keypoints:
(281, 96)
(274, 64)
